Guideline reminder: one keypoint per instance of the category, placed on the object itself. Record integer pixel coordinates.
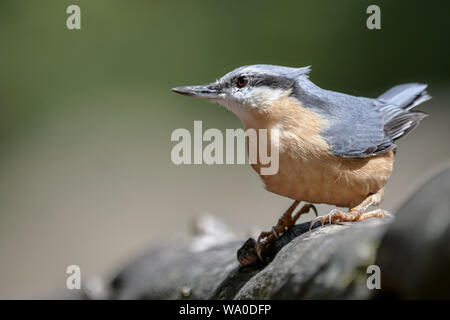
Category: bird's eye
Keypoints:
(241, 82)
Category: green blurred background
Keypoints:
(86, 116)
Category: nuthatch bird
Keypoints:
(334, 148)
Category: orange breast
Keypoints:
(332, 180)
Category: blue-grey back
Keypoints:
(358, 126)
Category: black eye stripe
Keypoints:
(260, 80)
(257, 80)
(272, 81)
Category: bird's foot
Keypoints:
(336, 215)
(286, 221)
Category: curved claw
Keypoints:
(323, 219)
(258, 252)
(388, 214)
(330, 215)
(311, 206)
(274, 232)
(316, 219)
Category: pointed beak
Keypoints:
(201, 92)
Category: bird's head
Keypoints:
(248, 89)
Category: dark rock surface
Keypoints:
(414, 255)
(329, 262)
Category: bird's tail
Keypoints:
(397, 103)
(406, 96)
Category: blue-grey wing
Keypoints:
(363, 127)
(357, 129)
(355, 126)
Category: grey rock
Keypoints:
(414, 255)
(329, 262)
(324, 263)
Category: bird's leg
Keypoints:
(285, 221)
(357, 213)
